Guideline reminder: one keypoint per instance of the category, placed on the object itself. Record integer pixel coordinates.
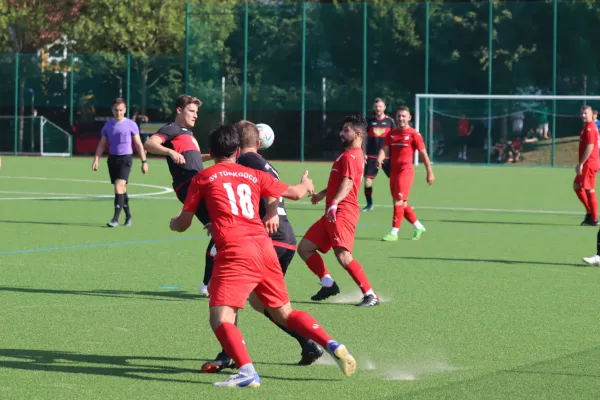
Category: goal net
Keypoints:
(28, 135)
(482, 128)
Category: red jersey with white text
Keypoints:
(589, 135)
(232, 194)
(350, 164)
(402, 144)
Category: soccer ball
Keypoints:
(265, 135)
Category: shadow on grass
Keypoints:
(490, 261)
(167, 295)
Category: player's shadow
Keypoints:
(132, 367)
(170, 295)
(59, 223)
(458, 221)
(489, 261)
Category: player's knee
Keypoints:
(343, 256)
(306, 249)
(400, 202)
(575, 187)
(221, 315)
(281, 314)
(368, 182)
(120, 186)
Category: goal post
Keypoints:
(492, 120)
(34, 136)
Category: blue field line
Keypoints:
(91, 245)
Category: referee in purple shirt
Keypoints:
(120, 132)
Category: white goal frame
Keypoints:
(433, 96)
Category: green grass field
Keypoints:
(492, 303)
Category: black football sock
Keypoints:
(301, 339)
(598, 243)
(126, 206)
(209, 261)
(369, 195)
(119, 203)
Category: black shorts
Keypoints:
(202, 213)
(285, 257)
(371, 168)
(463, 140)
(119, 167)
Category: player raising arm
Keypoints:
(246, 261)
(335, 230)
(401, 144)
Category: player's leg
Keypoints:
(310, 350)
(316, 239)
(411, 216)
(118, 189)
(595, 259)
(272, 292)
(589, 187)
(231, 284)
(582, 196)
(125, 172)
(357, 272)
(400, 185)
(370, 174)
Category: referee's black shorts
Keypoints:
(285, 256)
(119, 167)
(202, 213)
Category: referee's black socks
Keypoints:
(126, 206)
(119, 204)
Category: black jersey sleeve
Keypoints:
(253, 160)
(168, 132)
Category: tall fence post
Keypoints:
(186, 71)
(554, 61)
(72, 93)
(16, 123)
(245, 90)
(427, 133)
(490, 58)
(128, 84)
(303, 90)
(364, 80)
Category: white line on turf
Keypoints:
(70, 196)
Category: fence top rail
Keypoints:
(504, 97)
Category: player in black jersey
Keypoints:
(378, 127)
(176, 141)
(281, 232)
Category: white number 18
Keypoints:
(245, 199)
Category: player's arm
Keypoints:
(296, 192)
(99, 152)
(271, 218)
(425, 158)
(154, 145)
(140, 149)
(383, 153)
(184, 220)
(589, 148)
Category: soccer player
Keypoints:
(378, 127)
(120, 132)
(176, 141)
(246, 261)
(283, 238)
(335, 230)
(587, 168)
(596, 121)
(401, 144)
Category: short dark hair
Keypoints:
(403, 108)
(248, 133)
(357, 121)
(118, 101)
(378, 100)
(224, 141)
(185, 100)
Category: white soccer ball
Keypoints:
(265, 135)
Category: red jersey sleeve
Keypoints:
(418, 142)
(590, 136)
(195, 194)
(269, 186)
(350, 166)
(387, 141)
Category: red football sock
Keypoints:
(593, 204)
(583, 199)
(304, 324)
(232, 341)
(317, 265)
(409, 214)
(398, 215)
(357, 273)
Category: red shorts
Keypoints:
(246, 266)
(327, 235)
(587, 179)
(401, 183)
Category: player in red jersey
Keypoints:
(587, 168)
(335, 230)
(401, 144)
(246, 261)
